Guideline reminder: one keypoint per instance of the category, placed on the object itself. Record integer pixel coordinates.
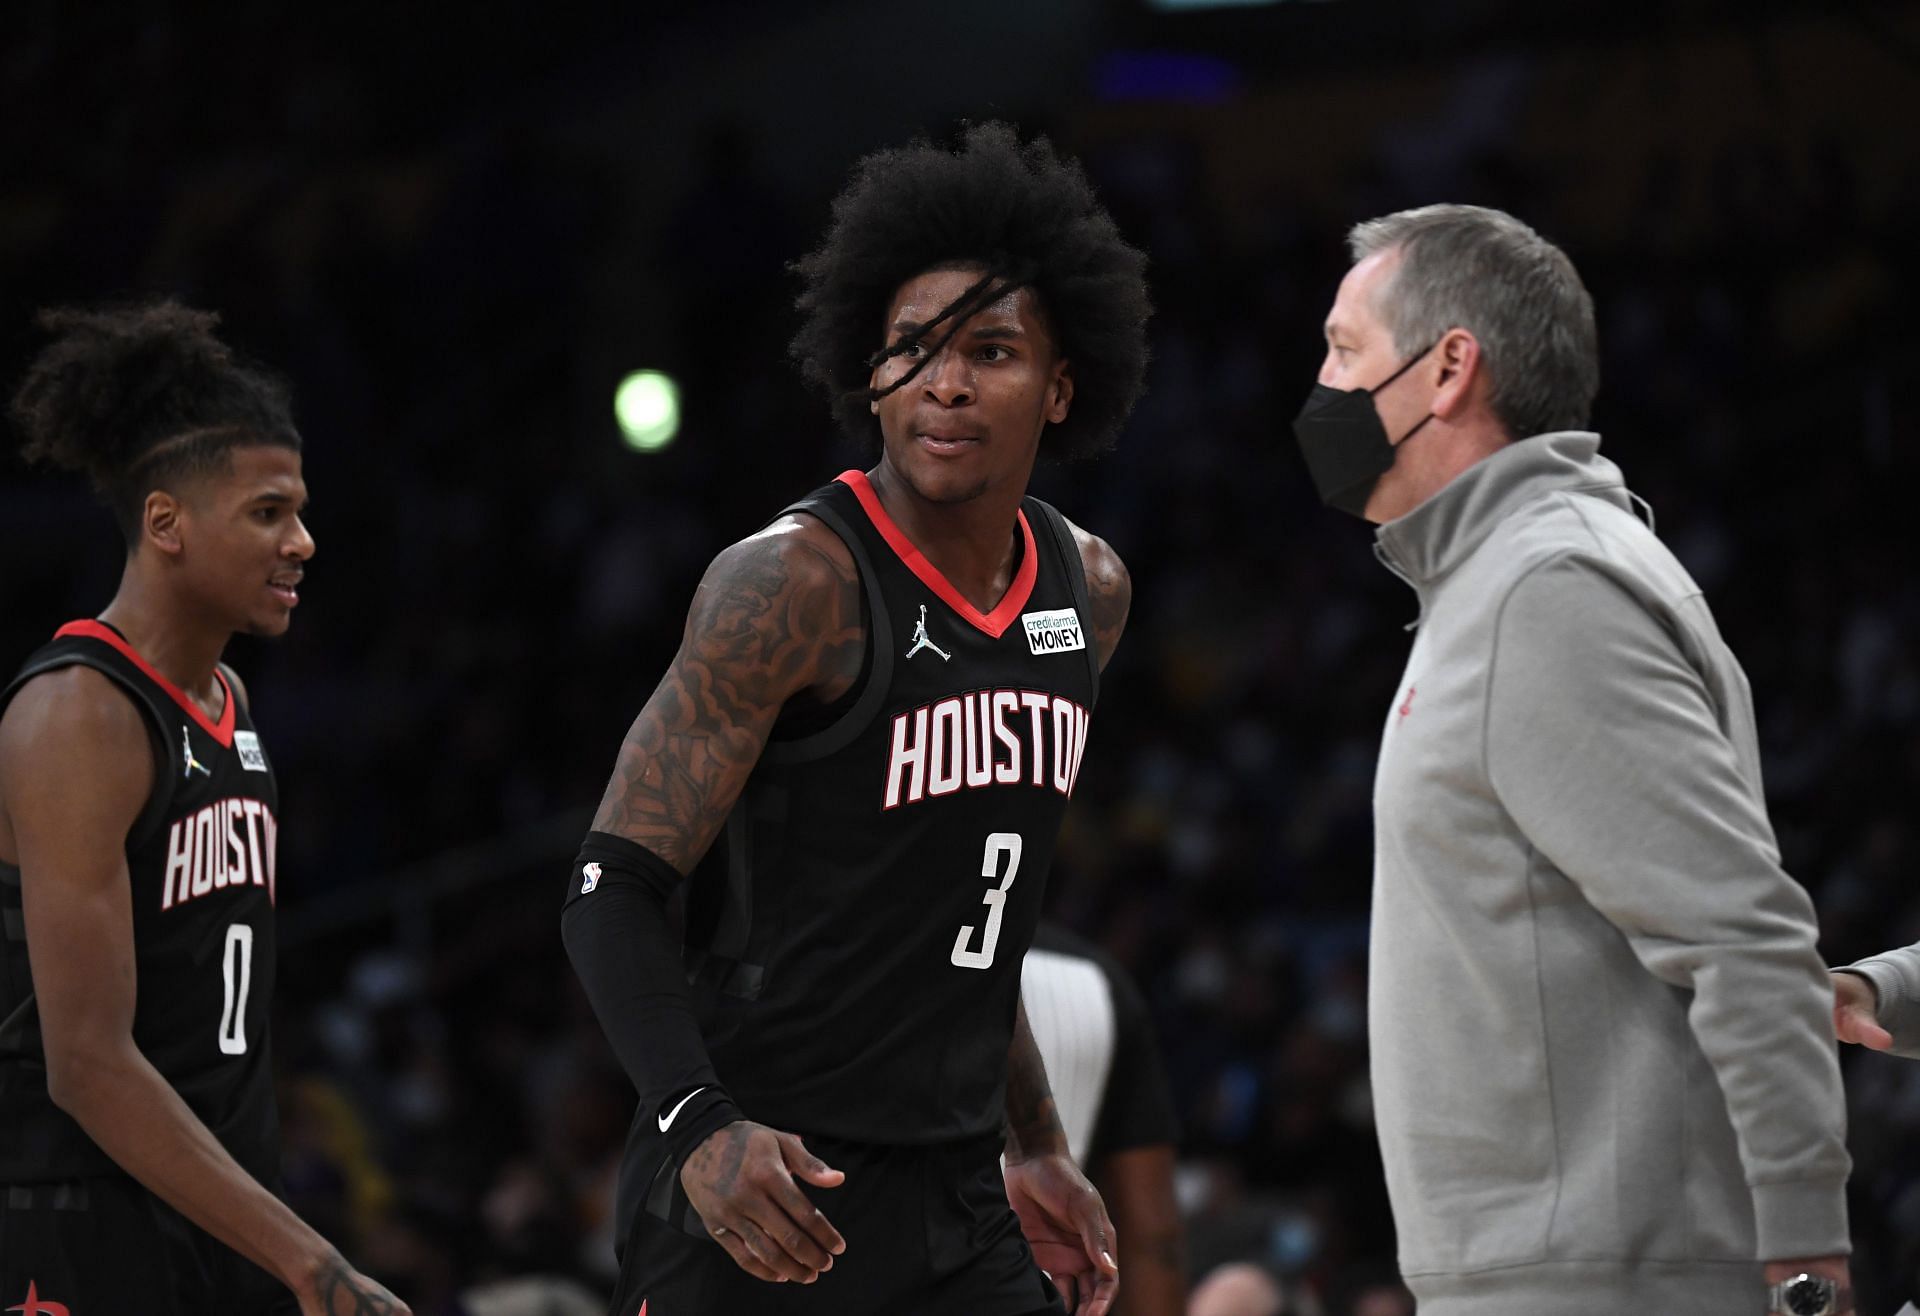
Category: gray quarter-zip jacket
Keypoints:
(1603, 1058)
(1895, 976)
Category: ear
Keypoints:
(1461, 381)
(1060, 392)
(160, 519)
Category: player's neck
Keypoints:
(973, 543)
(181, 649)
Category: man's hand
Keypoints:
(1854, 1005)
(741, 1181)
(1067, 1227)
(337, 1289)
(1833, 1268)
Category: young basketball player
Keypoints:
(861, 754)
(138, 1138)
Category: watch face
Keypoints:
(1807, 1296)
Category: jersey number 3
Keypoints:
(998, 844)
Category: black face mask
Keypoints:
(1346, 446)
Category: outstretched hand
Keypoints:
(741, 1181)
(1066, 1225)
(1854, 1004)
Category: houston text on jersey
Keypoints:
(229, 843)
(986, 738)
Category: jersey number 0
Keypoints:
(236, 970)
(998, 844)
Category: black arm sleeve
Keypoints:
(614, 925)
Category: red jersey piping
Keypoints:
(994, 623)
(94, 630)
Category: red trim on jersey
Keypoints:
(994, 623)
(94, 630)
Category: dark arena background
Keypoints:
(462, 233)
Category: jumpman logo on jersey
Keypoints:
(188, 761)
(922, 641)
(33, 1306)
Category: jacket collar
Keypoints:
(1436, 536)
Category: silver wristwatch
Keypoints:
(1804, 1295)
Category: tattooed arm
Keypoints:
(777, 618)
(1033, 1121)
(1061, 1213)
(1109, 591)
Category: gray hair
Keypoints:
(1468, 267)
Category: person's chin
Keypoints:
(945, 479)
(950, 487)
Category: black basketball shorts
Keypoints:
(108, 1247)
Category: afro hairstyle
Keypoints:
(1024, 215)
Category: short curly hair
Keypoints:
(137, 396)
(1024, 215)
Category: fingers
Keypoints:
(1098, 1300)
(808, 1166)
(799, 1208)
(788, 1247)
(778, 1248)
(1096, 1234)
(1856, 1024)
(746, 1194)
(743, 1256)
(782, 1229)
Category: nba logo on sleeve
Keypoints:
(589, 878)
(1057, 631)
(252, 757)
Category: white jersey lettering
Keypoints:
(229, 843)
(947, 751)
(907, 759)
(979, 740)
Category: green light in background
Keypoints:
(647, 405)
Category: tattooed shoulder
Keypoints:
(776, 614)
(1109, 590)
(780, 610)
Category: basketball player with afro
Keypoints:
(138, 1137)
(860, 757)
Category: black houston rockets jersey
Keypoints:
(201, 863)
(854, 937)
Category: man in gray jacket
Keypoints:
(1603, 1061)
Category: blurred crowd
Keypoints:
(499, 583)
